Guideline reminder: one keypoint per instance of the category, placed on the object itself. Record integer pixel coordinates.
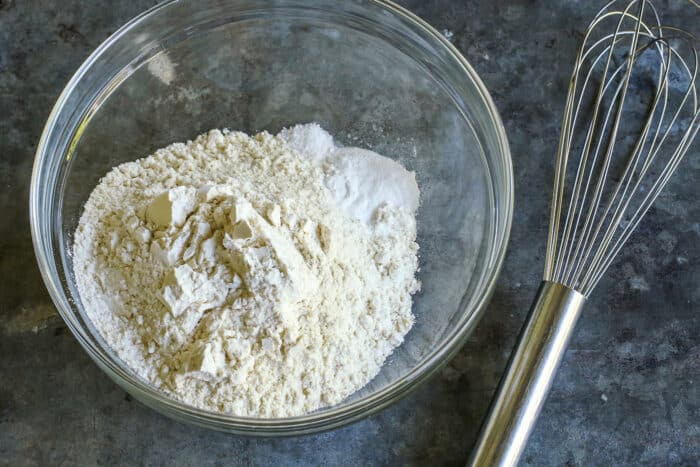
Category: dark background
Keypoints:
(627, 392)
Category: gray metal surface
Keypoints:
(627, 392)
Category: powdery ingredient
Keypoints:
(359, 180)
(263, 276)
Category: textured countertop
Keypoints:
(627, 392)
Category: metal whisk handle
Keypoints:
(528, 376)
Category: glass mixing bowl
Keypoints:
(368, 71)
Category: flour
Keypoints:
(263, 276)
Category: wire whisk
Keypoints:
(603, 209)
(631, 115)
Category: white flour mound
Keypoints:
(263, 276)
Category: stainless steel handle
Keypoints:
(528, 376)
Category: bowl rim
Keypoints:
(315, 421)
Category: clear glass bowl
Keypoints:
(370, 72)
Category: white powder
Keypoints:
(263, 276)
(359, 180)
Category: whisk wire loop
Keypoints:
(617, 151)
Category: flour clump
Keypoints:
(263, 276)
